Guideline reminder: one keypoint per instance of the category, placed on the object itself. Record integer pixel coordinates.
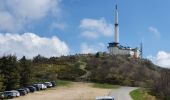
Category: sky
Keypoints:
(66, 27)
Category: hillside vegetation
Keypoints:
(119, 70)
(99, 68)
(141, 94)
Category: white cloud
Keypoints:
(162, 59)
(93, 28)
(154, 31)
(86, 48)
(18, 13)
(30, 45)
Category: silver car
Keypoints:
(48, 84)
(17, 93)
(105, 98)
(9, 94)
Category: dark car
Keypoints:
(53, 83)
(27, 90)
(32, 88)
(22, 92)
(37, 86)
(10, 94)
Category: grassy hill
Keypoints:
(101, 68)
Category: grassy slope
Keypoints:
(63, 83)
(141, 94)
(105, 86)
(96, 85)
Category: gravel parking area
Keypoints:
(75, 91)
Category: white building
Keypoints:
(120, 50)
(115, 49)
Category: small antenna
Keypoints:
(141, 50)
(116, 3)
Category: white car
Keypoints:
(17, 93)
(42, 86)
(9, 94)
(48, 84)
(105, 98)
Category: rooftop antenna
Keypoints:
(116, 30)
(141, 50)
(116, 3)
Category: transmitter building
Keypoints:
(115, 48)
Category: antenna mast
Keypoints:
(116, 30)
(141, 50)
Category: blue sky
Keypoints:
(83, 26)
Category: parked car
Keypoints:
(1, 95)
(18, 94)
(27, 90)
(9, 94)
(37, 86)
(31, 88)
(53, 83)
(105, 98)
(48, 84)
(22, 92)
(43, 86)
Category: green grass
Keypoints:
(63, 83)
(137, 94)
(105, 86)
(141, 94)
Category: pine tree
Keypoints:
(10, 72)
(25, 72)
(1, 77)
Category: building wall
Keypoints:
(137, 53)
(116, 51)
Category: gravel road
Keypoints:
(122, 93)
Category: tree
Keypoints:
(1, 82)
(1, 77)
(161, 86)
(39, 59)
(97, 55)
(25, 72)
(10, 71)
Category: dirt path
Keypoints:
(76, 91)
